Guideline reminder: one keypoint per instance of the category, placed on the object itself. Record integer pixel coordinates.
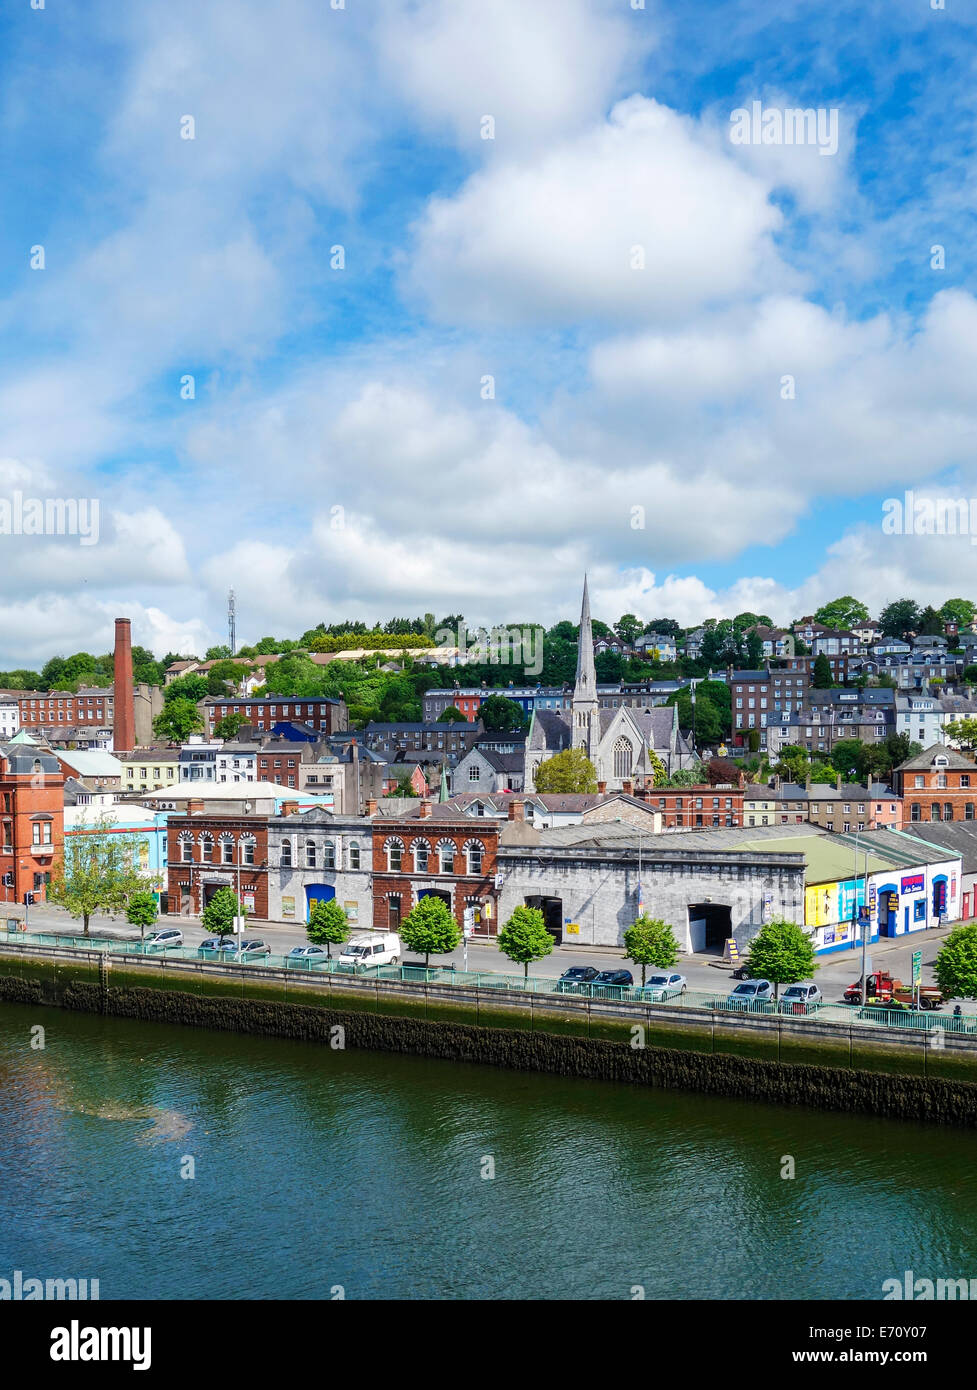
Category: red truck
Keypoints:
(881, 988)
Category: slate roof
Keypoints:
(957, 837)
(924, 761)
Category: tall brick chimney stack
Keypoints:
(124, 717)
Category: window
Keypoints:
(935, 811)
(286, 859)
(395, 855)
(310, 854)
(623, 757)
(227, 850)
(474, 852)
(353, 854)
(206, 849)
(329, 855)
(248, 851)
(446, 857)
(474, 773)
(422, 854)
(915, 811)
(941, 779)
(947, 811)
(968, 811)
(186, 851)
(919, 781)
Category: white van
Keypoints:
(375, 948)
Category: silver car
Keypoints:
(663, 985)
(163, 940)
(803, 998)
(751, 994)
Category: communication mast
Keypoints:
(231, 639)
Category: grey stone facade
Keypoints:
(330, 856)
(732, 893)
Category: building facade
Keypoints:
(433, 853)
(315, 856)
(31, 820)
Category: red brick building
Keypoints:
(434, 850)
(31, 820)
(938, 784)
(321, 712)
(206, 852)
(696, 808)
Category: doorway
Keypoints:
(552, 910)
(710, 927)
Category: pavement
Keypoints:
(834, 973)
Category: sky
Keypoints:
(388, 307)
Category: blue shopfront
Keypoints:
(317, 892)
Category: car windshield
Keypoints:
(745, 989)
(576, 973)
(355, 951)
(794, 989)
(658, 980)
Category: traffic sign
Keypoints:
(917, 967)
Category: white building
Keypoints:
(9, 719)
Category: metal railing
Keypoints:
(415, 973)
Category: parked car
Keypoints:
(309, 953)
(801, 998)
(575, 980)
(663, 985)
(162, 940)
(747, 994)
(622, 978)
(216, 946)
(363, 952)
(252, 946)
(742, 972)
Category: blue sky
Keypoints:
(341, 455)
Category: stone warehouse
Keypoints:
(585, 880)
(315, 856)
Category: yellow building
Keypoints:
(149, 769)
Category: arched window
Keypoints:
(310, 854)
(227, 849)
(935, 811)
(353, 854)
(329, 854)
(422, 856)
(395, 855)
(247, 850)
(623, 756)
(286, 859)
(207, 848)
(186, 847)
(474, 854)
(446, 857)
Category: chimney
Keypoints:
(517, 809)
(807, 782)
(371, 806)
(424, 810)
(601, 788)
(627, 787)
(124, 710)
(838, 782)
(290, 808)
(195, 807)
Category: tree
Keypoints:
(722, 643)
(848, 755)
(499, 712)
(569, 771)
(781, 952)
(524, 938)
(668, 627)
(452, 715)
(650, 941)
(328, 924)
(822, 673)
(754, 649)
(960, 611)
(744, 621)
(842, 613)
(963, 732)
(228, 726)
(217, 653)
(823, 772)
(142, 911)
(190, 687)
(794, 764)
(404, 787)
(900, 617)
(430, 929)
(97, 874)
(628, 628)
(930, 622)
(687, 777)
(955, 966)
(970, 675)
(177, 721)
(658, 769)
(218, 916)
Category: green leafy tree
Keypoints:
(142, 911)
(900, 617)
(97, 873)
(849, 755)
(659, 771)
(177, 720)
(963, 732)
(842, 613)
(229, 725)
(744, 621)
(524, 938)
(192, 688)
(955, 966)
(960, 611)
(499, 712)
(430, 929)
(218, 916)
(781, 952)
(328, 924)
(823, 773)
(452, 715)
(217, 653)
(688, 777)
(970, 675)
(569, 771)
(404, 787)
(628, 628)
(822, 673)
(794, 763)
(650, 941)
(930, 622)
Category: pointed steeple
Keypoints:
(443, 791)
(585, 686)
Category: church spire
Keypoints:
(585, 686)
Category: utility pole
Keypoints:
(231, 635)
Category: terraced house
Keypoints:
(938, 784)
(434, 850)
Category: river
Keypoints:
(321, 1173)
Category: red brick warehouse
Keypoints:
(207, 852)
(435, 850)
(31, 820)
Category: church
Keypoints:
(619, 741)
